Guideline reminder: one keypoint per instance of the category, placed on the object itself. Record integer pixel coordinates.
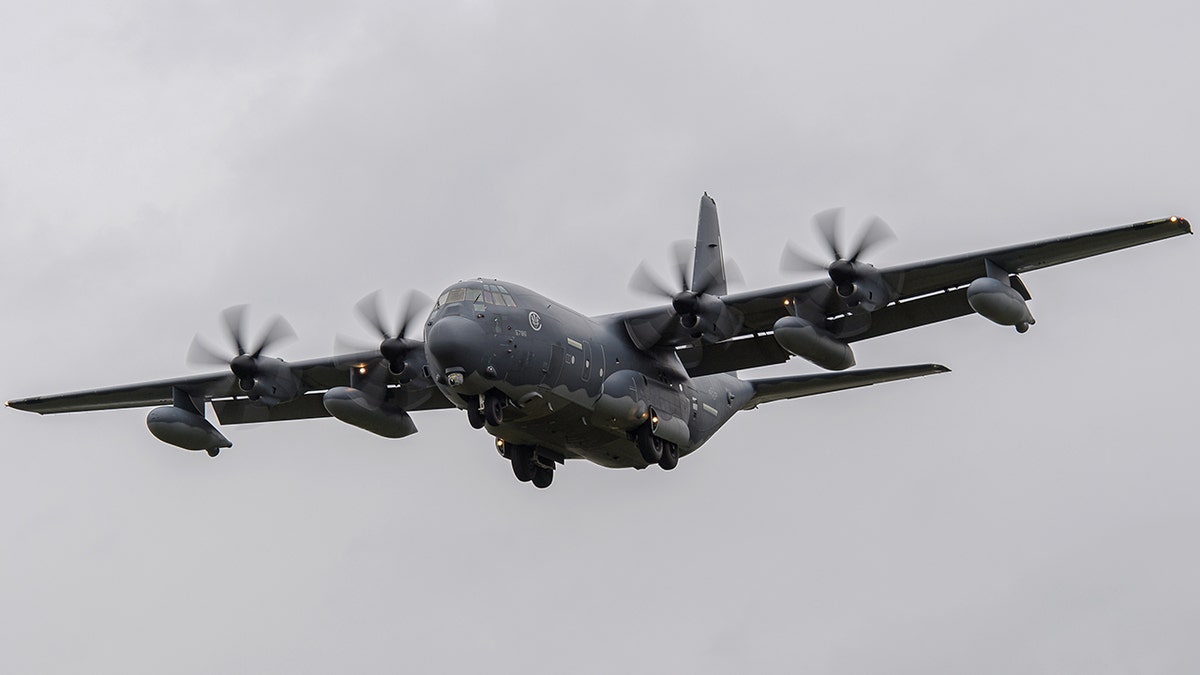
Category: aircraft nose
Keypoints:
(456, 341)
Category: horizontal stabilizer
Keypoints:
(771, 389)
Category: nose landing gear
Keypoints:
(490, 410)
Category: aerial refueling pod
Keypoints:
(994, 298)
(356, 408)
(185, 429)
(804, 340)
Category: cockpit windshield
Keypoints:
(488, 294)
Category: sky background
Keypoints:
(1033, 511)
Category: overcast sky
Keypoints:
(1035, 510)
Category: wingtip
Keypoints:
(1182, 222)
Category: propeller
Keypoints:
(395, 347)
(845, 269)
(244, 362)
(688, 303)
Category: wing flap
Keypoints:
(731, 355)
(772, 389)
(245, 411)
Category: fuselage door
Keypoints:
(554, 370)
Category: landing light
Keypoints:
(499, 442)
(787, 301)
(362, 370)
(1174, 219)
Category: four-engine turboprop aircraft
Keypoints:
(631, 389)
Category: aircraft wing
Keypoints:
(314, 376)
(926, 292)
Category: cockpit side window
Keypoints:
(499, 295)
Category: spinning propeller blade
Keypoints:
(243, 365)
(394, 347)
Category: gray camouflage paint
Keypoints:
(576, 386)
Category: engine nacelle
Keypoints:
(271, 382)
(804, 340)
(185, 429)
(1000, 303)
(356, 408)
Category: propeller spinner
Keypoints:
(695, 306)
(848, 274)
(395, 347)
(244, 364)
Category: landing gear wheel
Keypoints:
(542, 477)
(493, 407)
(648, 444)
(213, 452)
(522, 462)
(670, 457)
(475, 416)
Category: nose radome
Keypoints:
(456, 341)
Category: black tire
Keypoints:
(493, 408)
(648, 444)
(670, 457)
(475, 417)
(213, 452)
(521, 457)
(542, 477)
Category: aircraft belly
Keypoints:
(567, 428)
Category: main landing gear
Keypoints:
(490, 410)
(654, 449)
(528, 466)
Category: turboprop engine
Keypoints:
(804, 340)
(994, 298)
(356, 408)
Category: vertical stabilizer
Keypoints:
(708, 271)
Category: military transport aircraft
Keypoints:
(631, 389)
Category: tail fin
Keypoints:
(708, 269)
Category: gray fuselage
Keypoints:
(576, 385)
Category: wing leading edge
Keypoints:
(315, 376)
